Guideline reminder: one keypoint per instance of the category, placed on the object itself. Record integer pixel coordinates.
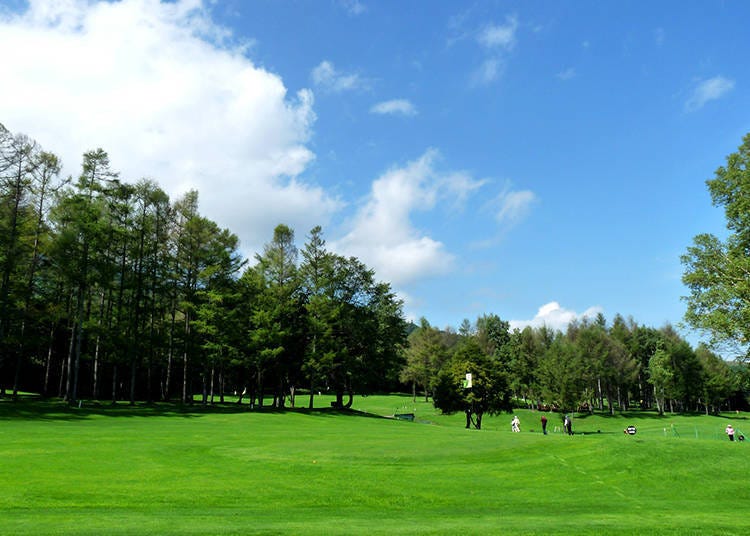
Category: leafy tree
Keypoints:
(661, 376)
(18, 162)
(355, 326)
(716, 271)
(719, 381)
(278, 320)
(490, 390)
(80, 236)
(562, 374)
(425, 355)
(526, 349)
(493, 335)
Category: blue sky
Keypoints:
(536, 160)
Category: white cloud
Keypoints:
(708, 90)
(353, 7)
(328, 78)
(567, 74)
(499, 35)
(382, 233)
(394, 107)
(514, 205)
(659, 36)
(458, 187)
(555, 317)
(161, 88)
(497, 40)
(487, 72)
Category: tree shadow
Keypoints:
(34, 407)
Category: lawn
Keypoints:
(164, 470)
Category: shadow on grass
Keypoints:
(32, 407)
(654, 415)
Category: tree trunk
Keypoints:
(221, 383)
(48, 363)
(70, 362)
(312, 394)
(95, 378)
(114, 383)
(133, 371)
(259, 388)
(185, 359)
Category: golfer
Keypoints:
(730, 432)
(568, 425)
(515, 424)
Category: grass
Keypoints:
(163, 469)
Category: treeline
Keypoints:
(110, 290)
(592, 365)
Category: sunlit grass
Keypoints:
(163, 469)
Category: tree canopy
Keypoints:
(717, 271)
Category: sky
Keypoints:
(542, 161)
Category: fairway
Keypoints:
(161, 470)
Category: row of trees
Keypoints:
(590, 366)
(110, 290)
(623, 362)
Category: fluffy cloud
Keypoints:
(326, 77)
(382, 234)
(167, 93)
(555, 317)
(394, 107)
(708, 90)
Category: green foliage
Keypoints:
(562, 375)
(114, 284)
(489, 393)
(715, 270)
(425, 356)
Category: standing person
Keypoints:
(730, 432)
(544, 425)
(568, 425)
(515, 424)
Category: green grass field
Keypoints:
(163, 470)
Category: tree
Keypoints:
(525, 351)
(278, 320)
(18, 162)
(562, 374)
(425, 355)
(661, 376)
(719, 381)
(80, 235)
(716, 271)
(489, 392)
